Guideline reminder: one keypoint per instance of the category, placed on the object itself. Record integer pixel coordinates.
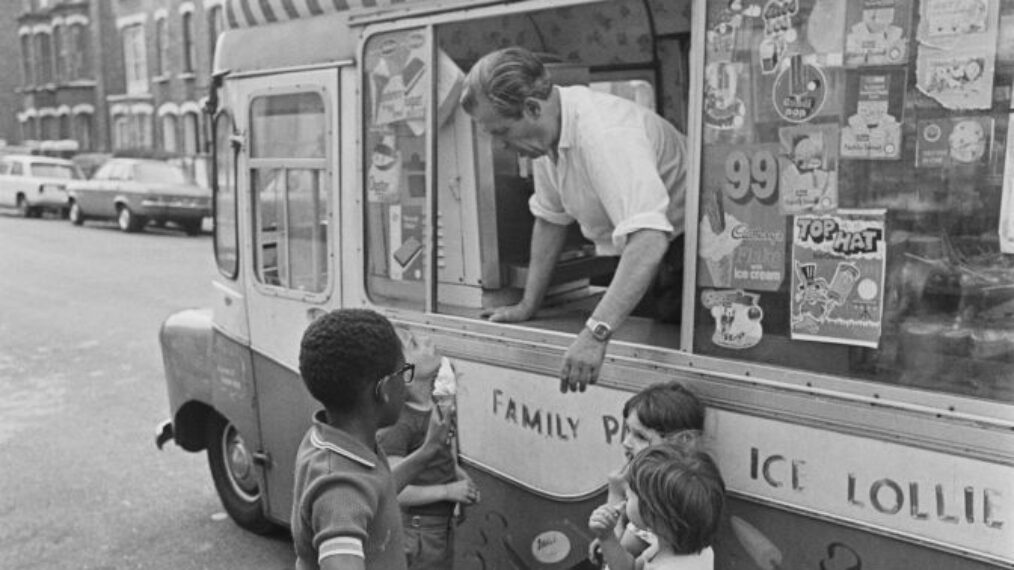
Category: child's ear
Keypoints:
(380, 393)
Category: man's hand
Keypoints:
(510, 314)
(582, 363)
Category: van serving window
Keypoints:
(287, 175)
(224, 180)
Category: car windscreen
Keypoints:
(159, 172)
(45, 170)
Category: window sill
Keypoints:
(164, 78)
(187, 75)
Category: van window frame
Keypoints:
(232, 163)
(320, 164)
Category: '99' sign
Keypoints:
(751, 170)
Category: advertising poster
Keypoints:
(874, 102)
(742, 233)
(737, 317)
(951, 141)
(877, 32)
(957, 52)
(838, 277)
(1007, 201)
(397, 87)
(808, 168)
(726, 100)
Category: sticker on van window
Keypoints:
(737, 317)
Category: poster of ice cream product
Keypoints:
(741, 240)
(405, 233)
(837, 287)
(957, 52)
(1007, 201)
(737, 318)
(877, 32)
(778, 18)
(397, 70)
(724, 23)
(949, 141)
(874, 101)
(383, 179)
(942, 21)
(725, 106)
(800, 89)
(808, 168)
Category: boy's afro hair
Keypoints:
(345, 352)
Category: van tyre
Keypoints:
(128, 221)
(235, 476)
(75, 215)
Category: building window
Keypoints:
(135, 59)
(64, 121)
(27, 65)
(44, 59)
(191, 134)
(161, 46)
(169, 133)
(60, 53)
(79, 66)
(216, 23)
(83, 130)
(121, 132)
(50, 128)
(189, 56)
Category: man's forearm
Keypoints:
(634, 274)
(547, 243)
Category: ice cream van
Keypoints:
(848, 295)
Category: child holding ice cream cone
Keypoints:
(676, 491)
(429, 502)
(660, 412)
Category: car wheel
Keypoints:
(24, 210)
(75, 215)
(233, 470)
(127, 221)
(190, 227)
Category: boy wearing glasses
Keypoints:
(345, 513)
(427, 503)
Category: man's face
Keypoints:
(524, 135)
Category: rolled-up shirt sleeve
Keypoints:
(625, 178)
(546, 203)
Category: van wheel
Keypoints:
(235, 476)
(127, 221)
(76, 215)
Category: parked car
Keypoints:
(135, 191)
(36, 183)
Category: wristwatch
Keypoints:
(599, 329)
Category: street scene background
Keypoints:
(82, 484)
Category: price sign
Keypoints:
(742, 235)
(755, 173)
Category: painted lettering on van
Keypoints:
(889, 497)
(531, 417)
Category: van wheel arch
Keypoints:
(190, 425)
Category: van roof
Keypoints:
(260, 38)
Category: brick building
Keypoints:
(64, 73)
(117, 75)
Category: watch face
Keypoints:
(601, 331)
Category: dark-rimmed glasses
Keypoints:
(407, 373)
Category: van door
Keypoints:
(288, 125)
